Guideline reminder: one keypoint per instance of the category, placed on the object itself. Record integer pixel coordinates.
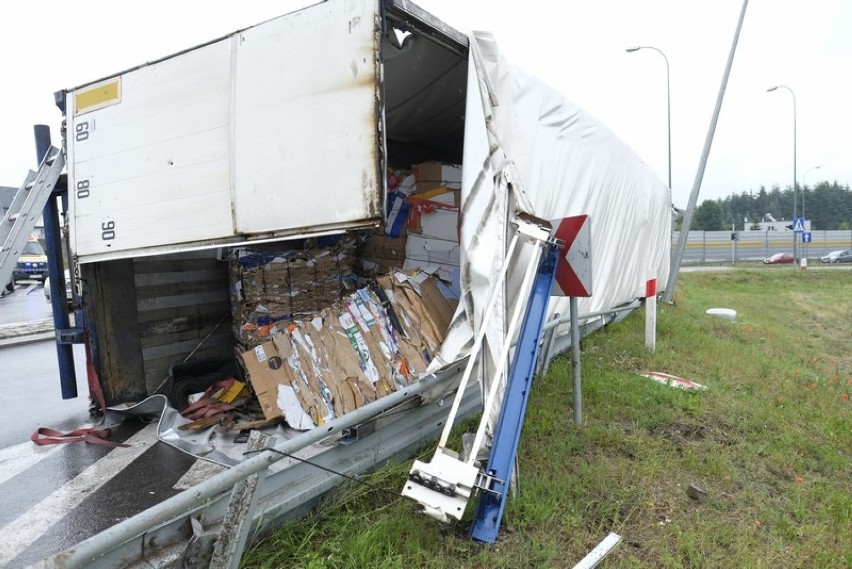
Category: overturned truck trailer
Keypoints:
(324, 201)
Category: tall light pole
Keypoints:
(795, 209)
(668, 100)
(677, 256)
(804, 178)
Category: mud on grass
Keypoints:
(769, 442)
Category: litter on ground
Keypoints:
(673, 380)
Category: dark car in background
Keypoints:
(779, 258)
(845, 257)
(32, 263)
(8, 287)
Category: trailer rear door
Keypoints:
(273, 131)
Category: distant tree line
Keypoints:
(827, 205)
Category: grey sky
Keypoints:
(577, 46)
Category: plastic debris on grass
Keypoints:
(726, 313)
(673, 380)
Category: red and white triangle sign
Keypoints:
(574, 268)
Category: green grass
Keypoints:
(770, 441)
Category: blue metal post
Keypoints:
(56, 271)
(504, 447)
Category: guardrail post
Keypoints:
(235, 526)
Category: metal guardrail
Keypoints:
(88, 552)
(160, 534)
(717, 246)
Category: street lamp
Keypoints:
(795, 209)
(804, 178)
(668, 100)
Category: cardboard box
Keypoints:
(267, 371)
(383, 247)
(438, 224)
(429, 175)
(433, 251)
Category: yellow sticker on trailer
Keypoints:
(97, 96)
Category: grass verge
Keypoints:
(770, 441)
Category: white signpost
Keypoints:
(573, 279)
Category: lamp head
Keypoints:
(633, 48)
(772, 89)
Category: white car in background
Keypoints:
(832, 257)
(68, 292)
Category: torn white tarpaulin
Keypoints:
(528, 148)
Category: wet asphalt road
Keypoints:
(25, 304)
(29, 375)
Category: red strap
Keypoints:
(221, 386)
(212, 407)
(44, 436)
(420, 206)
(92, 376)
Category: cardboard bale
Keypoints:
(349, 353)
(412, 344)
(345, 359)
(314, 369)
(383, 247)
(358, 306)
(268, 376)
(424, 303)
(439, 308)
(286, 284)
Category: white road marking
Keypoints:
(16, 459)
(28, 527)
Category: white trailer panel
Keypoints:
(153, 169)
(219, 144)
(306, 133)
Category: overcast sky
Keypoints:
(577, 46)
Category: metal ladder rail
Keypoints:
(9, 252)
(27, 206)
(504, 446)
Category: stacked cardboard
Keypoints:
(328, 363)
(269, 286)
(383, 249)
(381, 254)
(429, 237)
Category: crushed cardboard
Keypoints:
(315, 348)
(350, 353)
